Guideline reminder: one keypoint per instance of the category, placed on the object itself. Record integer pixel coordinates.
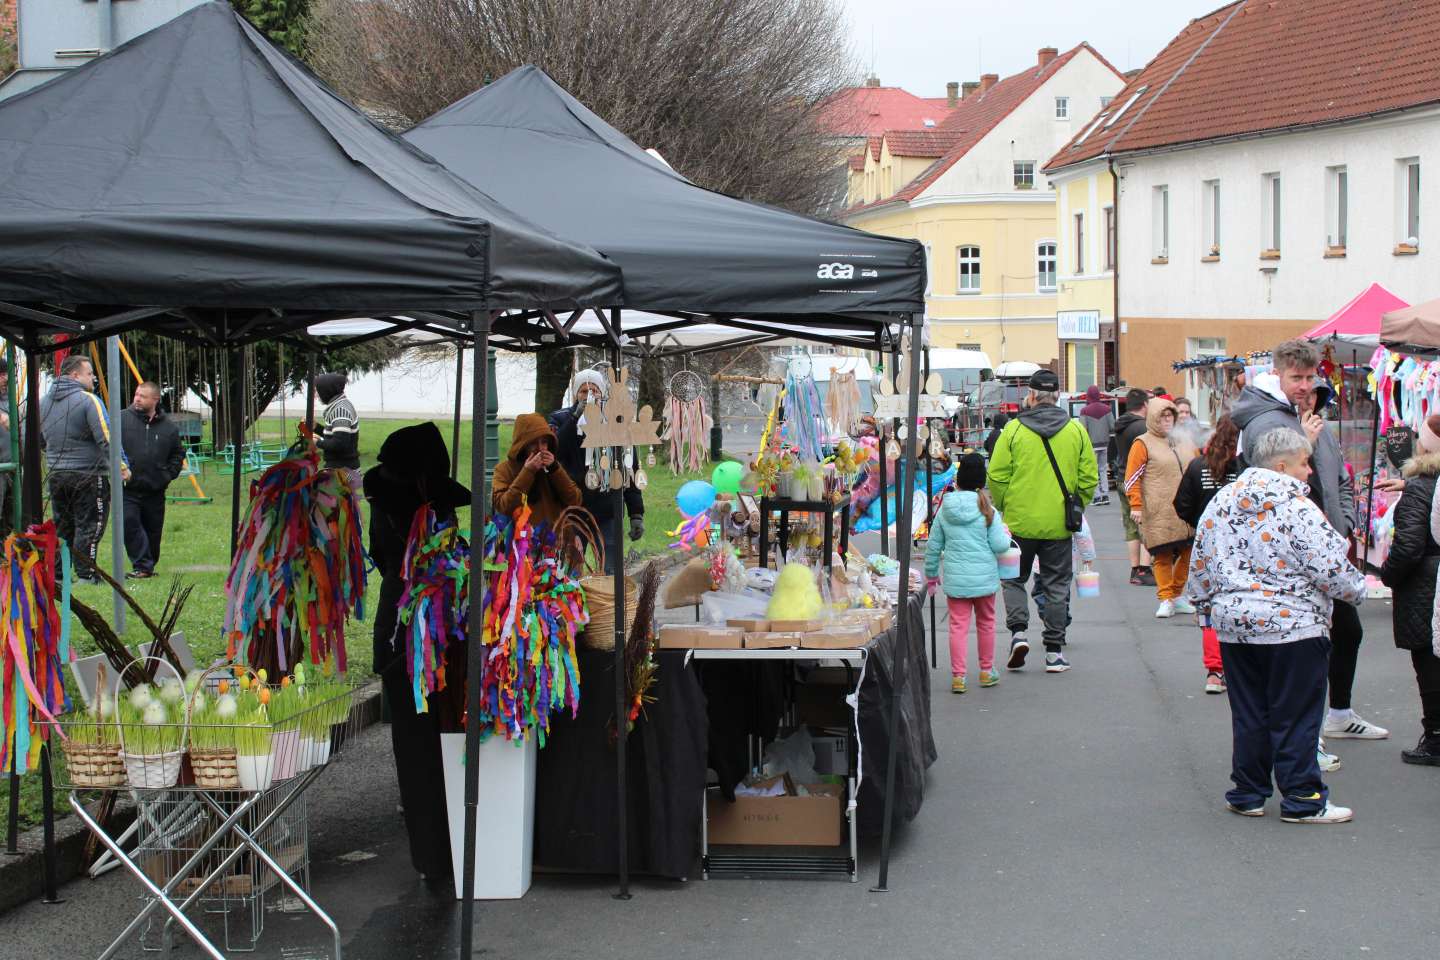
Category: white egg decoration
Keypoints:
(226, 707)
(141, 696)
(171, 692)
(192, 680)
(155, 714)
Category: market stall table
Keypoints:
(786, 505)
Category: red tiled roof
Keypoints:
(857, 162)
(1257, 66)
(920, 143)
(979, 113)
(873, 144)
(870, 111)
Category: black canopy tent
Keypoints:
(198, 183)
(690, 255)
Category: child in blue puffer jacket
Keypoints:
(968, 534)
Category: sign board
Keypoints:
(893, 407)
(1078, 324)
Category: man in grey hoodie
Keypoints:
(1290, 399)
(76, 439)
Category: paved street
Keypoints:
(1072, 816)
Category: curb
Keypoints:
(22, 876)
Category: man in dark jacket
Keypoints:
(155, 456)
(1129, 426)
(339, 436)
(76, 439)
(1288, 398)
(587, 385)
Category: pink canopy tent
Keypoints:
(1357, 324)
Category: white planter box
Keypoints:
(505, 826)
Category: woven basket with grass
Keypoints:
(580, 535)
(92, 751)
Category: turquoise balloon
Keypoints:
(726, 477)
(695, 497)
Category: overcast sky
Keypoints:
(921, 44)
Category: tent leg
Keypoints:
(1370, 490)
(34, 499)
(902, 639)
(885, 371)
(455, 429)
(930, 522)
(617, 458)
(117, 484)
(479, 510)
(313, 364)
(235, 374)
(47, 801)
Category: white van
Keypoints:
(961, 373)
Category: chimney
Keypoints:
(968, 88)
(872, 81)
(952, 93)
(988, 80)
(1047, 56)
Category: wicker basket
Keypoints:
(94, 764)
(599, 633)
(215, 769)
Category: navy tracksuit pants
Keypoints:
(1277, 705)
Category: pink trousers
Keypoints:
(960, 611)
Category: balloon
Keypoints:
(726, 477)
(695, 497)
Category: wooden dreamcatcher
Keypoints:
(687, 422)
(612, 423)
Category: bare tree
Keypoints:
(728, 91)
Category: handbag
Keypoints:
(1074, 509)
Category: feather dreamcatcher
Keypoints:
(842, 402)
(687, 423)
(804, 411)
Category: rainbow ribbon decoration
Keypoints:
(534, 607)
(300, 567)
(436, 600)
(804, 416)
(34, 643)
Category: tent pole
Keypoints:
(617, 460)
(902, 636)
(235, 375)
(1370, 488)
(479, 510)
(117, 482)
(930, 519)
(314, 364)
(30, 477)
(455, 431)
(885, 372)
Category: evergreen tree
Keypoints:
(281, 20)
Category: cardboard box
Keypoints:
(813, 821)
(695, 636)
(772, 640)
(749, 626)
(836, 638)
(796, 626)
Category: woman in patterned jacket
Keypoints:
(1269, 566)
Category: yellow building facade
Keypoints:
(1085, 282)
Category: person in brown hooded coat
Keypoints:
(1153, 472)
(529, 473)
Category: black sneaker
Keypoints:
(1426, 752)
(139, 574)
(1147, 577)
(1019, 649)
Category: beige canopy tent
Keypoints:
(1413, 330)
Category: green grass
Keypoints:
(196, 549)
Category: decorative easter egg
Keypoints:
(300, 674)
(226, 707)
(141, 696)
(261, 674)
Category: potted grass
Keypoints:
(151, 731)
(92, 744)
(283, 705)
(212, 740)
(253, 736)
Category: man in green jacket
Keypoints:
(1028, 494)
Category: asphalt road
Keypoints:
(1074, 816)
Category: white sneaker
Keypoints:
(1184, 606)
(1356, 728)
(1329, 763)
(1330, 814)
(1166, 610)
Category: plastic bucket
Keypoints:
(1010, 564)
(1087, 584)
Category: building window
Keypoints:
(1210, 218)
(1109, 238)
(1045, 265)
(967, 268)
(1270, 214)
(1409, 206)
(1105, 102)
(1079, 244)
(1082, 366)
(1160, 223)
(1337, 208)
(1024, 175)
(1062, 108)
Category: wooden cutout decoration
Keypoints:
(615, 422)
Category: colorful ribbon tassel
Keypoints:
(436, 600)
(34, 643)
